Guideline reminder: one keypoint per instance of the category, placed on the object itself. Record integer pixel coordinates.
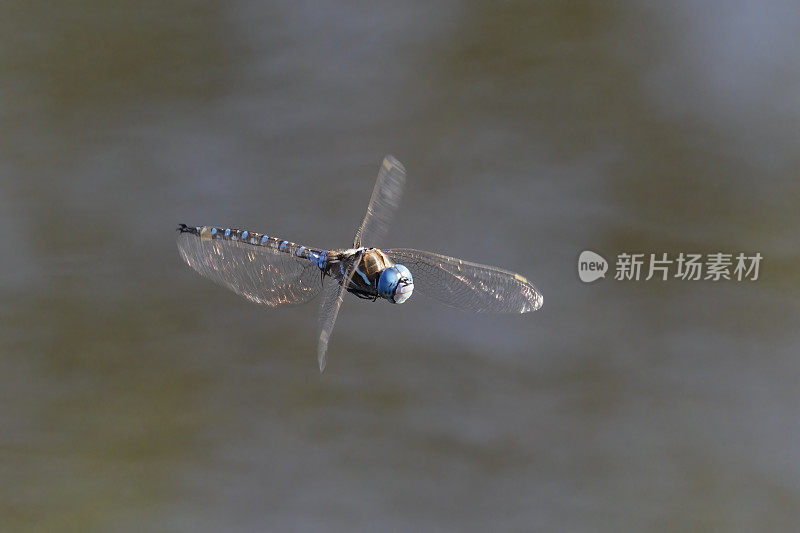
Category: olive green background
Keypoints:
(136, 396)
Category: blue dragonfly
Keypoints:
(271, 271)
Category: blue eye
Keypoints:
(396, 284)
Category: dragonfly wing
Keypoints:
(383, 203)
(466, 285)
(333, 295)
(259, 273)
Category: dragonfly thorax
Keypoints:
(374, 275)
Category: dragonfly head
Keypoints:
(396, 284)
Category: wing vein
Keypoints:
(260, 274)
(466, 285)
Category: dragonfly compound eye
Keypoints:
(396, 284)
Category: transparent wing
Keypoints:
(383, 203)
(261, 274)
(333, 295)
(469, 286)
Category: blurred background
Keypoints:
(137, 396)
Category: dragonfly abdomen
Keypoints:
(208, 233)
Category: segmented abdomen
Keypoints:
(207, 233)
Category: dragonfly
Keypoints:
(274, 272)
